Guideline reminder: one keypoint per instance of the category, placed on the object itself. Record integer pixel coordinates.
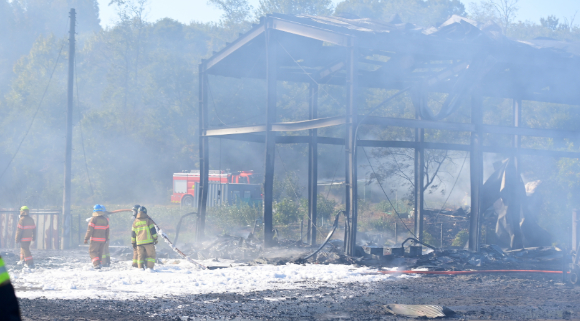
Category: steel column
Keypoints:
(66, 199)
(271, 73)
(312, 165)
(203, 153)
(476, 171)
(350, 148)
(419, 180)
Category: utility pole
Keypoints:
(67, 219)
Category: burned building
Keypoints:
(461, 59)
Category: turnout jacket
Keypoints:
(26, 231)
(98, 229)
(143, 231)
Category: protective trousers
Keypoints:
(25, 254)
(96, 252)
(135, 257)
(146, 255)
(106, 258)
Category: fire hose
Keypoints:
(334, 227)
(166, 239)
(111, 212)
(463, 272)
(179, 226)
(176, 250)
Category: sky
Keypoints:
(199, 10)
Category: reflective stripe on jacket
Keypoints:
(143, 231)
(98, 229)
(26, 229)
(4, 277)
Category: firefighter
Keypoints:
(135, 210)
(98, 233)
(144, 238)
(8, 303)
(25, 234)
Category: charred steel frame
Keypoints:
(274, 28)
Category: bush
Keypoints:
(286, 211)
(384, 223)
(460, 238)
(226, 218)
(429, 239)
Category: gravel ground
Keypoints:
(513, 297)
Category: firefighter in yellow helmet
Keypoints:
(98, 233)
(144, 238)
(8, 303)
(25, 234)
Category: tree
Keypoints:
(234, 11)
(550, 22)
(309, 7)
(424, 13)
(502, 12)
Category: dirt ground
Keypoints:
(493, 297)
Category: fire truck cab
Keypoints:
(224, 188)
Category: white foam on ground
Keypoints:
(177, 277)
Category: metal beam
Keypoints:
(476, 171)
(396, 122)
(270, 142)
(404, 144)
(417, 123)
(235, 130)
(203, 153)
(350, 149)
(312, 165)
(310, 32)
(240, 42)
(308, 124)
(419, 164)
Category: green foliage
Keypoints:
(310, 7)
(137, 111)
(425, 13)
(287, 211)
(325, 208)
(461, 238)
(228, 218)
(429, 239)
(382, 224)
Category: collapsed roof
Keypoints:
(395, 55)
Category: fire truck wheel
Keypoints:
(187, 201)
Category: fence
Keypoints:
(47, 228)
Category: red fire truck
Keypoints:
(224, 188)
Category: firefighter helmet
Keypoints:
(24, 208)
(98, 208)
(143, 209)
(136, 207)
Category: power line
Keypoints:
(35, 113)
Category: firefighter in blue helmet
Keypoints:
(98, 234)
